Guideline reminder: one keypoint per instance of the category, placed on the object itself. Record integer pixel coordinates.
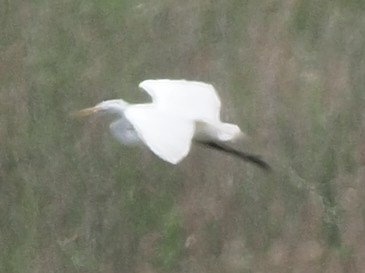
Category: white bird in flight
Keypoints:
(181, 111)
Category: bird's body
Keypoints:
(180, 111)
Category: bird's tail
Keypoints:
(252, 158)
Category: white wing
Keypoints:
(168, 136)
(197, 101)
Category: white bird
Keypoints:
(180, 111)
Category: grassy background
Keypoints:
(291, 73)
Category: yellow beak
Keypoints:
(85, 112)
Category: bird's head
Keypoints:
(107, 106)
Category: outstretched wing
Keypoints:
(168, 136)
(193, 100)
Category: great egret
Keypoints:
(180, 112)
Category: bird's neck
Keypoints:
(118, 108)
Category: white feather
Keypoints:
(168, 136)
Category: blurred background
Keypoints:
(291, 73)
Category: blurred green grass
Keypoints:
(291, 73)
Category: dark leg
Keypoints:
(255, 159)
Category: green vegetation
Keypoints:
(291, 73)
